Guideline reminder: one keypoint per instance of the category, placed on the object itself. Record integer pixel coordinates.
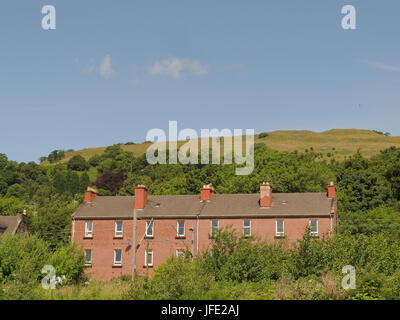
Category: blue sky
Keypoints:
(112, 70)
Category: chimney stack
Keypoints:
(265, 195)
(331, 190)
(206, 192)
(141, 193)
(90, 194)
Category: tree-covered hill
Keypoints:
(335, 143)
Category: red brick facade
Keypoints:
(165, 242)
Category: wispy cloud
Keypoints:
(381, 65)
(104, 68)
(176, 67)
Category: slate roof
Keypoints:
(220, 205)
(10, 224)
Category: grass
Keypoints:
(337, 143)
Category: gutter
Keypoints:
(199, 216)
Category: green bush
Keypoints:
(180, 278)
(69, 261)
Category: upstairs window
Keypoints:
(88, 257)
(280, 228)
(118, 229)
(214, 227)
(181, 228)
(88, 229)
(117, 257)
(149, 229)
(148, 258)
(247, 228)
(314, 227)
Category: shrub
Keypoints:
(78, 163)
(180, 279)
(69, 261)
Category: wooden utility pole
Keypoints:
(134, 244)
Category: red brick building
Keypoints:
(169, 224)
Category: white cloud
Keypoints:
(176, 67)
(89, 68)
(381, 65)
(104, 68)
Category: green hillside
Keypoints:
(338, 143)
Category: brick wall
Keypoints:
(165, 242)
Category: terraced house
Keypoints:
(165, 225)
(13, 224)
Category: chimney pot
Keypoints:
(265, 195)
(90, 194)
(331, 190)
(206, 192)
(141, 194)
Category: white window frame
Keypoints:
(117, 263)
(88, 263)
(247, 227)
(180, 253)
(152, 229)
(280, 233)
(117, 233)
(146, 252)
(314, 233)
(177, 228)
(88, 233)
(212, 234)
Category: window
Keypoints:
(180, 253)
(88, 256)
(214, 227)
(118, 229)
(117, 257)
(181, 229)
(149, 229)
(314, 227)
(148, 258)
(247, 228)
(88, 229)
(280, 228)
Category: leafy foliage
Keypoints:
(78, 163)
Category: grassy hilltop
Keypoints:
(339, 143)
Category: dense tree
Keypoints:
(84, 181)
(10, 206)
(72, 183)
(78, 163)
(3, 161)
(16, 191)
(56, 156)
(112, 182)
